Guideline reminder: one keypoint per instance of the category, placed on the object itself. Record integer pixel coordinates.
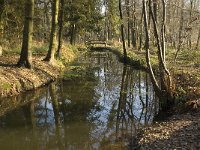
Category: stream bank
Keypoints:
(181, 129)
(186, 75)
(102, 107)
(14, 80)
(161, 135)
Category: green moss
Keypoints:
(15, 50)
(73, 72)
(5, 86)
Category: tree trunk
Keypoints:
(129, 22)
(2, 3)
(155, 6)
(163, 92)
(26, 53)
(160, 43)
(180, 38)
(73, 35)
(190, 34)
(1, 25)
(60, 23)
(134, 26)
(141, 32)
(198, 40)
(122, 32)
(147, 46)
(53, 37)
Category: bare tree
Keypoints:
(164, 91)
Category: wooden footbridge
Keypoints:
(93, 44)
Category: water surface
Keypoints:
(101, 107)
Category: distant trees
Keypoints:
(84, 19)
(11, 25)
(75, 21)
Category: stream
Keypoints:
(101, 104)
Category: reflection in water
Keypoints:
(102, 110)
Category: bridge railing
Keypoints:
(92, 43)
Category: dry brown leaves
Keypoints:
(14, 80)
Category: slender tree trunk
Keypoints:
(106, 21)
(46, 21)
(190, 34)
(122, 32)
(141, 31)
(163, 31)
(2, 3)
(1, 25)
(180, 38)
(164, 92)
(147, 46)
(155, 13)
(160, 43)
(26, 53)
(60, 23)
(166, 77)
(134, 26)
(73, 35)
(155, 7)
(198, 40)
(129, 23)
(53, 37)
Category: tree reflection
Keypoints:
(134, 109)
(105, 107)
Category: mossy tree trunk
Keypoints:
(26, 53)
(53, 36)
(60, 24)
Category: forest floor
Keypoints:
(14, 80)
(181, 130)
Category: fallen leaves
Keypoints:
(179, 132)
(22, 79)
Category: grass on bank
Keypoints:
(41, 73)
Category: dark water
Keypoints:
(101, 107)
